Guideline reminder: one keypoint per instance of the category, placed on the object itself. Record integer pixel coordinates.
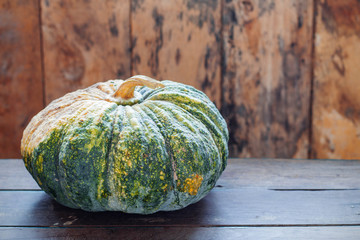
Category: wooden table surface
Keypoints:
(253, 199)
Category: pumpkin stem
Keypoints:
(127, 88)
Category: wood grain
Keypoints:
(21, 90)
(267, 72)
(221, 207)
(295, 174)
(319, 199)
(180, 233)
(14, 176)
(253, 58)
(336, 106)
(277, 174)
(84, 42)
(180, 41)
(251, 192)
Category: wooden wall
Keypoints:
(267, 76)
(336, 105)
(21, 77)
(284, 74)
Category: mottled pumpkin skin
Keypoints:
(160, 151)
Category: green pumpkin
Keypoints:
(137, 146)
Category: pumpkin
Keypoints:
(136, 146)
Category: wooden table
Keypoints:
(254, 199)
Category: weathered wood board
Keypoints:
(21, 88)
(253, 199)
(336, 105)
(84, 42)
(179, 233)
(267, 77)
(180, 41)
(221, 207)
(276, 174)
(251, 192)
(255, 59)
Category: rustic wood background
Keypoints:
(284, 74)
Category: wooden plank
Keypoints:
(84, 42)
(291, 174)
(336, 108)
(180, 41)
(234, 207)
(267, 72)
(267, 173)
(21, 91)
(314, 233)
(14, 176)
